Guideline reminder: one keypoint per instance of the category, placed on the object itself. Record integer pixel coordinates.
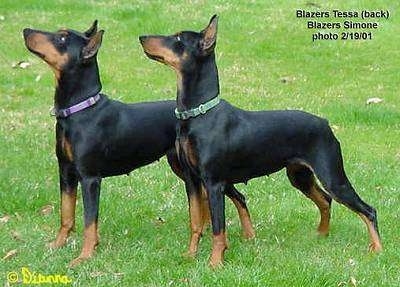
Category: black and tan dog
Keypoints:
(97, 137)
(220, 145)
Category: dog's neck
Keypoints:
(199, 85)
(77, 84)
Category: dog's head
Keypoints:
(183, 50)
(65, 48)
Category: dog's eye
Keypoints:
(61, 39)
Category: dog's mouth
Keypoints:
(40, 55)
(29, 42)
(155, 57)
(37, 53)
(152, 48)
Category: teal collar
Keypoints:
(200, 110)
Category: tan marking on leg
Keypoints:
(375, 245)
(205, 208)
(245, 221)
(315, 193)
(68, 203)
(90, 241)
(196, 224)
(219, 245)
(324, 208)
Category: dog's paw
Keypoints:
(322, 233)
(375, 247)
(55, 244)
(189, 254)
(216, 263)
(78, 261)
(250, 234)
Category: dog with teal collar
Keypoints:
(228, 145)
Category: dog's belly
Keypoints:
(108, 162)
(243, 170)
(119, 167)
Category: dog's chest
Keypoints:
(64, 146)
(187, 150)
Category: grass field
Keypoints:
(266, 61)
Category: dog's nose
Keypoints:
(142, 39)
(26, 32)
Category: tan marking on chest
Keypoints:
(189, 151)
(67, 148)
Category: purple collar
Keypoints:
(64, 113)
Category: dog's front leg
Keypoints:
(91, 195)
(216, 199)
(68, 187)
(193, 192)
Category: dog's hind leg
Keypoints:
(302, 178)
(239, 201)
(234, 195)
(328, 167)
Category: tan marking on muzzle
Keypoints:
(39, 43)
(154, 47)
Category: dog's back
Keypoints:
(278, 137)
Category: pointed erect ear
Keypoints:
(92, 30)
(209, 34)
(93, 45)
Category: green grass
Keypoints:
(259, 43)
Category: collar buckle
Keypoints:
(52, 112)
(202, 109)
